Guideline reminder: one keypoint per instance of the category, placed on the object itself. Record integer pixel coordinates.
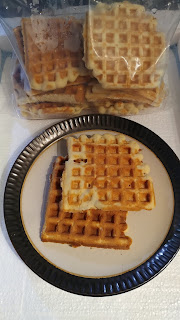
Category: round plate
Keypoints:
(95, 272)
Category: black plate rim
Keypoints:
(57, 277)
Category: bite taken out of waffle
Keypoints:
(92, 228)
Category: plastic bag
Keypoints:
(76, 57)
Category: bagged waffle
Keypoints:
(95, 57)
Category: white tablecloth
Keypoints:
(23, 295)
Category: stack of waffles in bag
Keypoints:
(125, 53)
(52, 51)
(92, 190)
(112, 62)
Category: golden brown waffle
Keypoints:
(69, 95)
(60, 102)
(106, 172)
(17, 74)
(119, 107)
(53, 52)
(19, 39)
(49, 110)
(153, 97)
(92, 228)
(122, 46)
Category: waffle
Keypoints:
(69, 95)
(74, 94)
(20, 87)
(95, 93)
(47, 110)
(18, 35)
(122, 46)
(50, 58)
(119, 107)
(92, 228)
(107, 173)
(18, 72)
(19, 38)
(148, 96)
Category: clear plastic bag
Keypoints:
(76, 57)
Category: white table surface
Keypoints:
(23, 295)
